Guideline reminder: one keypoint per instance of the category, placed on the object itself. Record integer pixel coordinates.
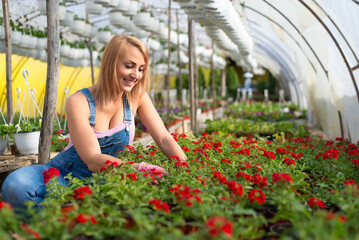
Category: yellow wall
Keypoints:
(74, 78)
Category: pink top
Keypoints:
(101, 134)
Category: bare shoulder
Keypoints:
(137, 102)
(77, 103)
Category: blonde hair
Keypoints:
(107, 85)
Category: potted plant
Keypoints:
(78, 25)
(104, 35)
(27, 136)
(4, 131)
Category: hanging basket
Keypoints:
(77, 27)
(104, 36)
(28, 142)
(132, 9)
(3, 145)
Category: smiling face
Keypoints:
(130, 68)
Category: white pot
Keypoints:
(41, 43)
(113, 3)
(2, 32)
(93, 8)
(93, 33)
(123, 5)
(69, 17)
(2, 46)
(77, 27)
(132, 9)
(64, 50)
(87, 30)
(62, 12)
(3, 145)
(41, 55)
(27, 143)
(117, 19)
(142, 19)
(104, 36)
(42, 6)
(15, 37)
(102, 2)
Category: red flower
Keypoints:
(288, 161)
(81, 192)
(340, 218)
(268, 154)
(236, 188)
(160, 205)
(244, 175)
(84, 218)
(109, 163)
(256, 195)
(185, 149)
(259, 180)
(313, 202)
(133, 176)
(180, 163)
(31, 231)
(219, 224)
(50, 173)
(281, 177)
(356, 161)
(5, 205)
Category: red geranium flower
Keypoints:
(313, 202)
(281, 177)
(31, 231)
(84, 218)
(81, 192)
(160, 205)
(219, 224)
(5, 205)
(288, 161)
(256, 195)
(50, 173)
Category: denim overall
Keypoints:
(27, 183)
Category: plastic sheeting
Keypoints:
(315, 47)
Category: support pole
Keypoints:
(52, 79)
(91, 52)
(8, 46)
(191, 74)
(213, 83)
(179, 70)
(168, 65)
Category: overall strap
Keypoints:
(127, 109)
(92, 105)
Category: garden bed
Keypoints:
(230, 187)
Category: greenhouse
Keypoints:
(179, 119)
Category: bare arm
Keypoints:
(154, 125)
(82, 135)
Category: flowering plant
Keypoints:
(230, 187)
(26, 126)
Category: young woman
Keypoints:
(100, 123)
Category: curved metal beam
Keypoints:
(337, 45)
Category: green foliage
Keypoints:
(232, 81)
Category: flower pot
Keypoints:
(123, 5)
(27, 142)
(132, 9)
(68, 18)
(15, 37)
(104, 36)
(42, 6)
(117, 19)
(142, 19)
(77, 27)
(62, 12)
(93, 8)
(3, 144)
